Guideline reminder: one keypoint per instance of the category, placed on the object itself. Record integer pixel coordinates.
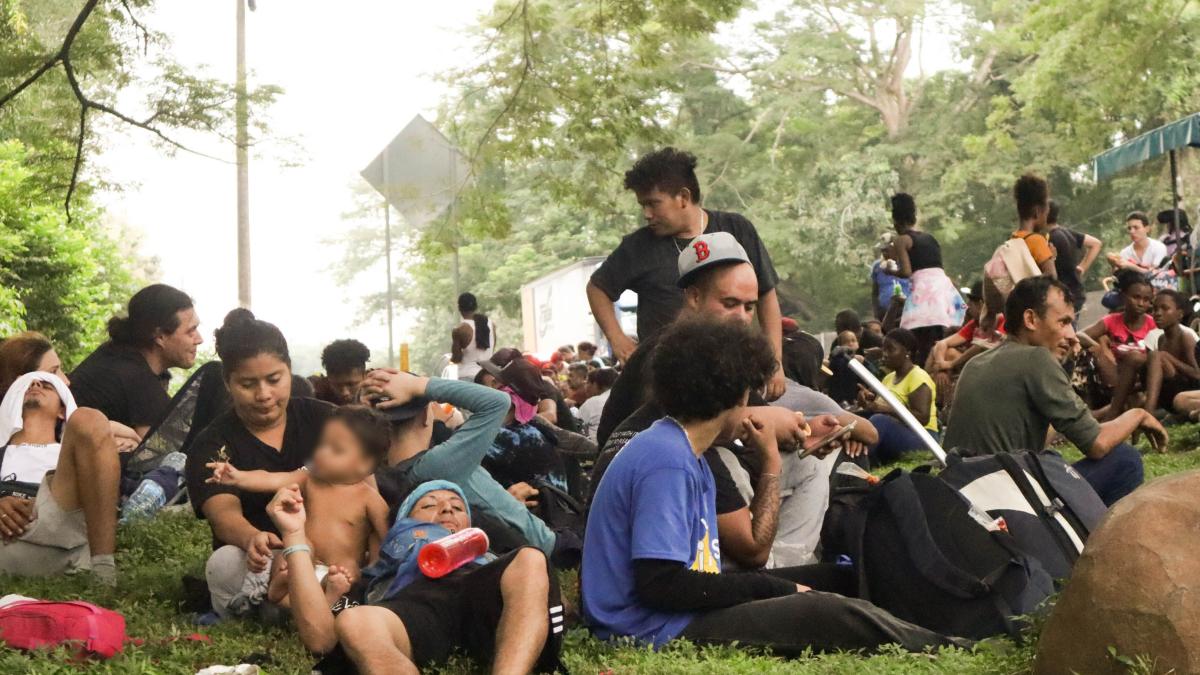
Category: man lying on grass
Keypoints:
(506, 612)
(69, 519)
(652, 559)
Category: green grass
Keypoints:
(155, 555)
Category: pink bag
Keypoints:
(92, 630)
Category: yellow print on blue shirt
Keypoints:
(708, 553)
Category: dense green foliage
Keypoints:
(154, 555)
(62, 279)
(806, 124)
(64, 271)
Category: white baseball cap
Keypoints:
(716, 248)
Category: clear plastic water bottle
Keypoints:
(150, 496)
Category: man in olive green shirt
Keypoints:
(1007, 399)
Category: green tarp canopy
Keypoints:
(1181, 133)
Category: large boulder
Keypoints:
(1135, 589)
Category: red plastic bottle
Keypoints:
(441, 557)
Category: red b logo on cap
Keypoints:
(701, 251)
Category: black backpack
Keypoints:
(841, 528)
(558, 509)
(922, 555)
(1047, 505)
(971, 549)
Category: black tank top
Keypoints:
(925, 252)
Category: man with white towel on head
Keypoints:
(59, 482)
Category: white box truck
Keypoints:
(555, 310)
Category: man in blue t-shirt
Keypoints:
(651, 561)
(671, 495)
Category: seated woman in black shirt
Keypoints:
(266, 429)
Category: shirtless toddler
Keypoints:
(347, 518)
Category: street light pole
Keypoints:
(387, 246)
(241, 112)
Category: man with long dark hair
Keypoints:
(126, 378)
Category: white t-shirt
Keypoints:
(1152, 338)
(472, 354)
(590, 412)
(29, 463)
(1155, 254)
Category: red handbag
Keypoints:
(90, 630)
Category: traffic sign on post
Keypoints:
(419, 173)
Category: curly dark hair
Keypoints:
(343, 356)
(703, 367)
(1030, 192)
(1127, 279)
(669, 170)
(369, 427)
(904, 209)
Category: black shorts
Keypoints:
(1172, 388)
(462, 611)
(459, 611)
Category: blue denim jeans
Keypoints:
(1115, 475)
(895, 439)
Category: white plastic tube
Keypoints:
(882, 392)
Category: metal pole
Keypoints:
(387, 238)
(901, 410)
(456, 281)
(454, 218)
(1187, 258)
(243, 163)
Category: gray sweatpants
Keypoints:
(236, 591)
(804, 498)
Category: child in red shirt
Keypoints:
(1120, 348)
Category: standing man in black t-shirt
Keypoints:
(126, 378)
(645, 261)
(1076, 253)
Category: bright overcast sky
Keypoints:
(354, 73)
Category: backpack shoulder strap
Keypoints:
(900, 496)
(560, 494)
(1070, 544)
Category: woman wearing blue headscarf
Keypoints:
(505, 611)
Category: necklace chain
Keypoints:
(703, 228)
